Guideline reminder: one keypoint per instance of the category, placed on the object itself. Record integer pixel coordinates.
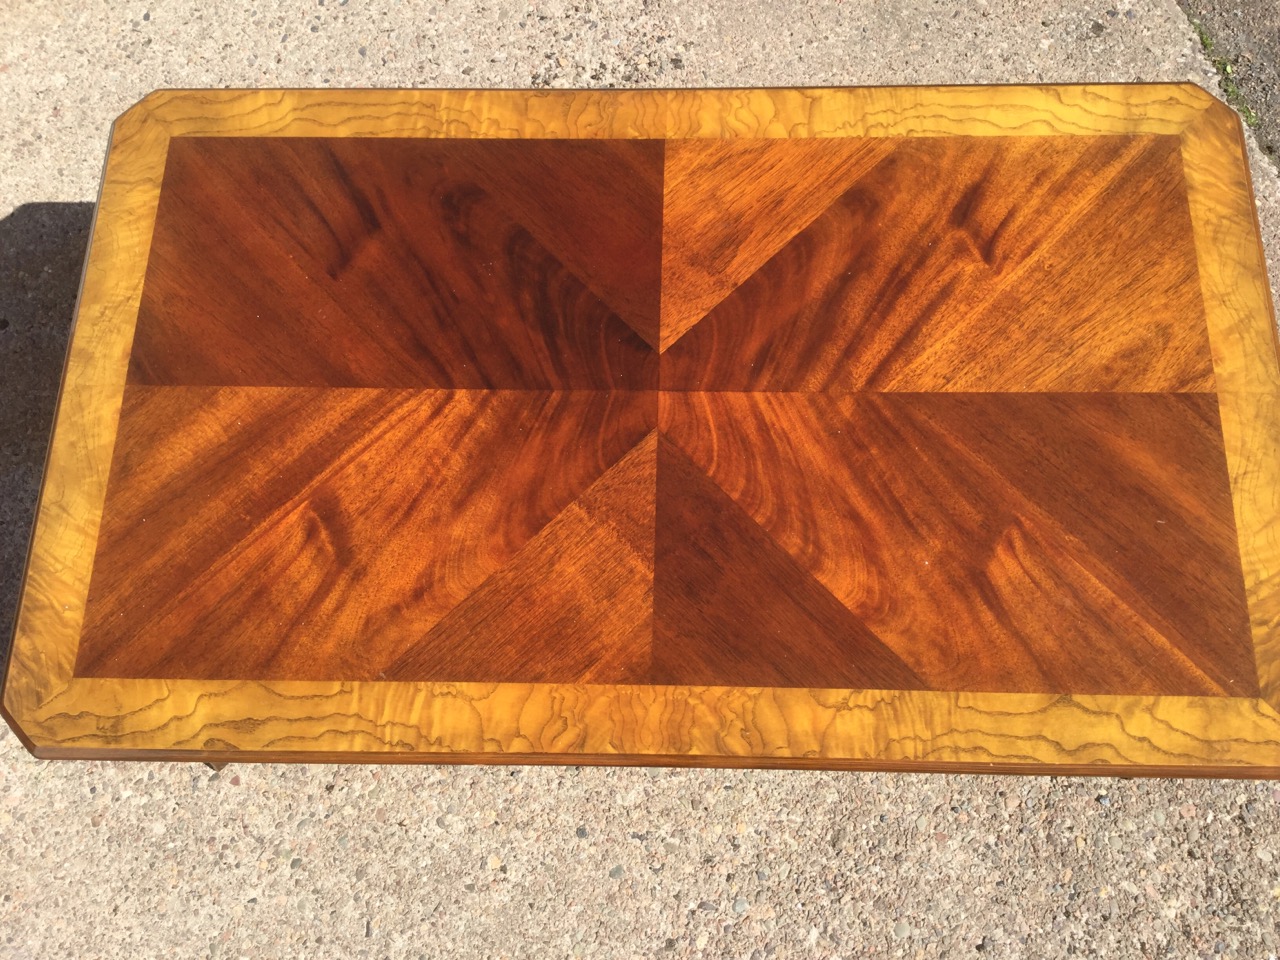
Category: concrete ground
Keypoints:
(1242, 40)
(155, 859)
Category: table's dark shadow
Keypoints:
(42, 250)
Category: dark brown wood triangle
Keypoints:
(573, 606)
(731, 607)
(595, 204)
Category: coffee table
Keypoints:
(912, 428)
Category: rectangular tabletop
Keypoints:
(920, 428)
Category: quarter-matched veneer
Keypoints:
(916, 428)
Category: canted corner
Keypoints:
(141, 112)
(1212, 108)
(22, 702)
(9, 711)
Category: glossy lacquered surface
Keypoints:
(926, 428)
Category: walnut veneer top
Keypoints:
(900, 427)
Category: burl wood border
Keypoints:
(58, 716)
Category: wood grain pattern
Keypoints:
(1242, 327)
(58, 714)
(699, 726)
(397, 263)
(291, 542)
(724, 591)
(1037, 263)
(1001, 543)
(731, 205)
(579, 595)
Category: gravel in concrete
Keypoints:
(151, 860)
